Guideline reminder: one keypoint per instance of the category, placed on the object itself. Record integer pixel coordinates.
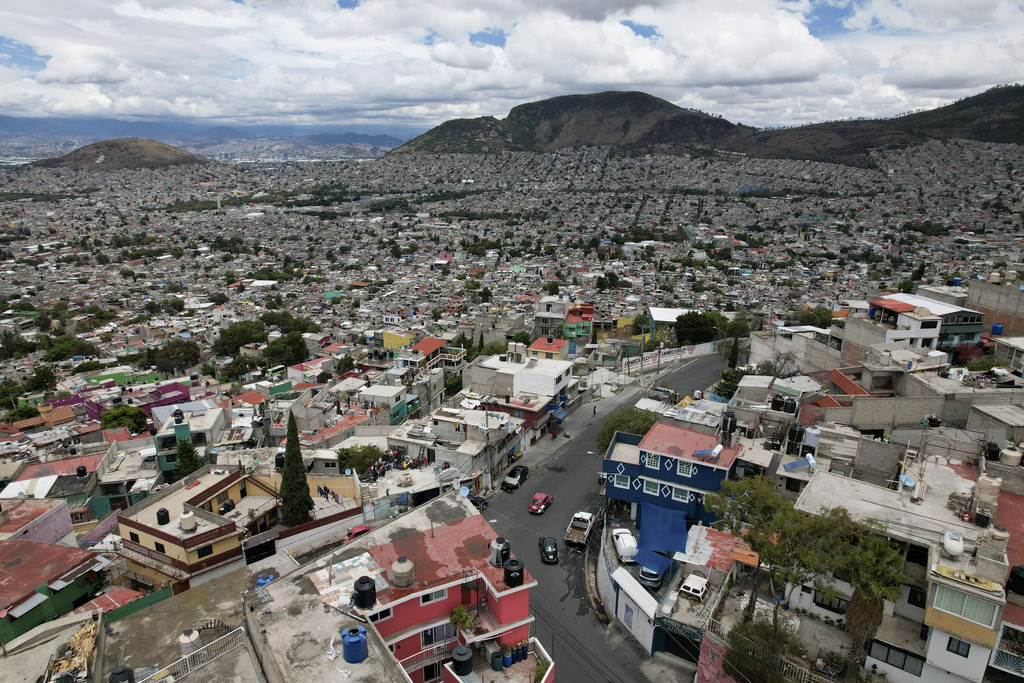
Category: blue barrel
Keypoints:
(353, 644)
(957, 282)
(997, 329)
(264, 579)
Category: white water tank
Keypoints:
(953, 544)
(402, 572)
(994, 277)
(1010, 457)
(997, 538)
(188, 521)
(988, 487)
(189, 642)
(812, 436)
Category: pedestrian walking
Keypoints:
(595, 410)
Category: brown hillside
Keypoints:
(112, 155)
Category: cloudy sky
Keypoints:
(416, 63)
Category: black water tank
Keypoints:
(366, 592)
(162, 516)
(178, 416)
(981, 520)
(121, 674)
(796, 436)
(279, 460)
(462, 660)
(934, 421)
(728, 422)
(80, 471)
(992, 451)
(513, 573)
(505, 549)
(1016, 582)
(777, 402)
(789, 405)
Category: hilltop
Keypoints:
(638, 122)
(112, 155)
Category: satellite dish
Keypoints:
(464, 491)
(348, 471)
(1022, 288)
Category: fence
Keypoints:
(201, 657)
(136, 605)
(791, 671)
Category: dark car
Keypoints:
(651, 578)
(478, 502)
(516, 476)
(548, 550)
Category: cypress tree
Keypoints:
(296, 502)
(188, 459)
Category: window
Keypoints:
(437, 634)
(958, 647)
(917, 597)
(651, 488)
(432, 672)
(929, 324)
(918, 555)
(171, 457)
(205, 551)
(330, 465)
(621, 481)
(793, 485)
(900, 659)
(381, 615)
(436, 595)
(547, 355)
(684, 468)
(963, 605)
(837, 605)
(133, 537)
(680, 495)
(222, 497)
(159, 547)
(654, 461)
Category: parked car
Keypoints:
(478, 502)
(516, 476)
(625, 545)
(540, 503)
(548, 550)
(357, 531)
(651, 578)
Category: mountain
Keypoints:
(637, 122)
(350, 139)
(219, 133)
(112, 155)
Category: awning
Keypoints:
(640, 595)
(23, 608)
(559, 413)
(662, 529)
(646, 557)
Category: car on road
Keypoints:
(540, 503)
(625, 545)
(478, 502)
(548, 550)
(651, 578)
(516, 476)
(357, 531)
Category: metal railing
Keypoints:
(789, 670)
(200, 658)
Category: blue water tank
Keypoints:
(997, 329)
(957, 282)
(353, 644)
(264, 579)
(871, 313)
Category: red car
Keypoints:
(540, 503)
(358, 531)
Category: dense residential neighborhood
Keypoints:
(264, 412)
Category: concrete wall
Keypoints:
(1001, 303)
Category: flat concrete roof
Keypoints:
(175, 504)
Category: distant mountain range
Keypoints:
(635, 122)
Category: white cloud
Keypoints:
(396, 61)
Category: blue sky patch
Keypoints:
(432, 37)
(827, 20)
(642, 30)
(17, 55)
(489, 36)
(347, 4)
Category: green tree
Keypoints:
(25, 412)
(239, 334)
(551, 288)
(698, 328)
(42, 379)
(9, 391)
(188, 459)
(906, 286)
(182, 353)
(296, 503)
(521, 337)
(627, 419)
(288, 349)
(357, 458)
(345, 364)
(874, 571)
(132, 417)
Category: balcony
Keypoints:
(1009, 653)
(524, 671)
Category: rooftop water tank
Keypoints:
(402, 572)
(365, 592)
(1016, 581)
(189, 641)
(987, 490)
(778, 401)
(353, 644)
(958, 282)
(279, 460)
(179, 416)
(462, 660)
(953, 544)
(1010, 457)
(188, 521)
(997, 538)
(991, 451)
(789, 405)
(812, 435)
(513, 573)
(997, 329)
(162, 516)
(121, 674)
(728, 422)
(81, 471)
(501, 550)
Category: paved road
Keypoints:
(583, 649)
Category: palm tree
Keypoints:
(875, 573)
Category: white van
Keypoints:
(695, 587)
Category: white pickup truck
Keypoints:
(579, 528)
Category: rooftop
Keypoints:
(174, 500)
(25, 565)
(23, 511)
(680, 442)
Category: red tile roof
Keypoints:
(115, 596)
(893, 305)
(429, 345)
(542, 344)
(681, 442)
(253, 398)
